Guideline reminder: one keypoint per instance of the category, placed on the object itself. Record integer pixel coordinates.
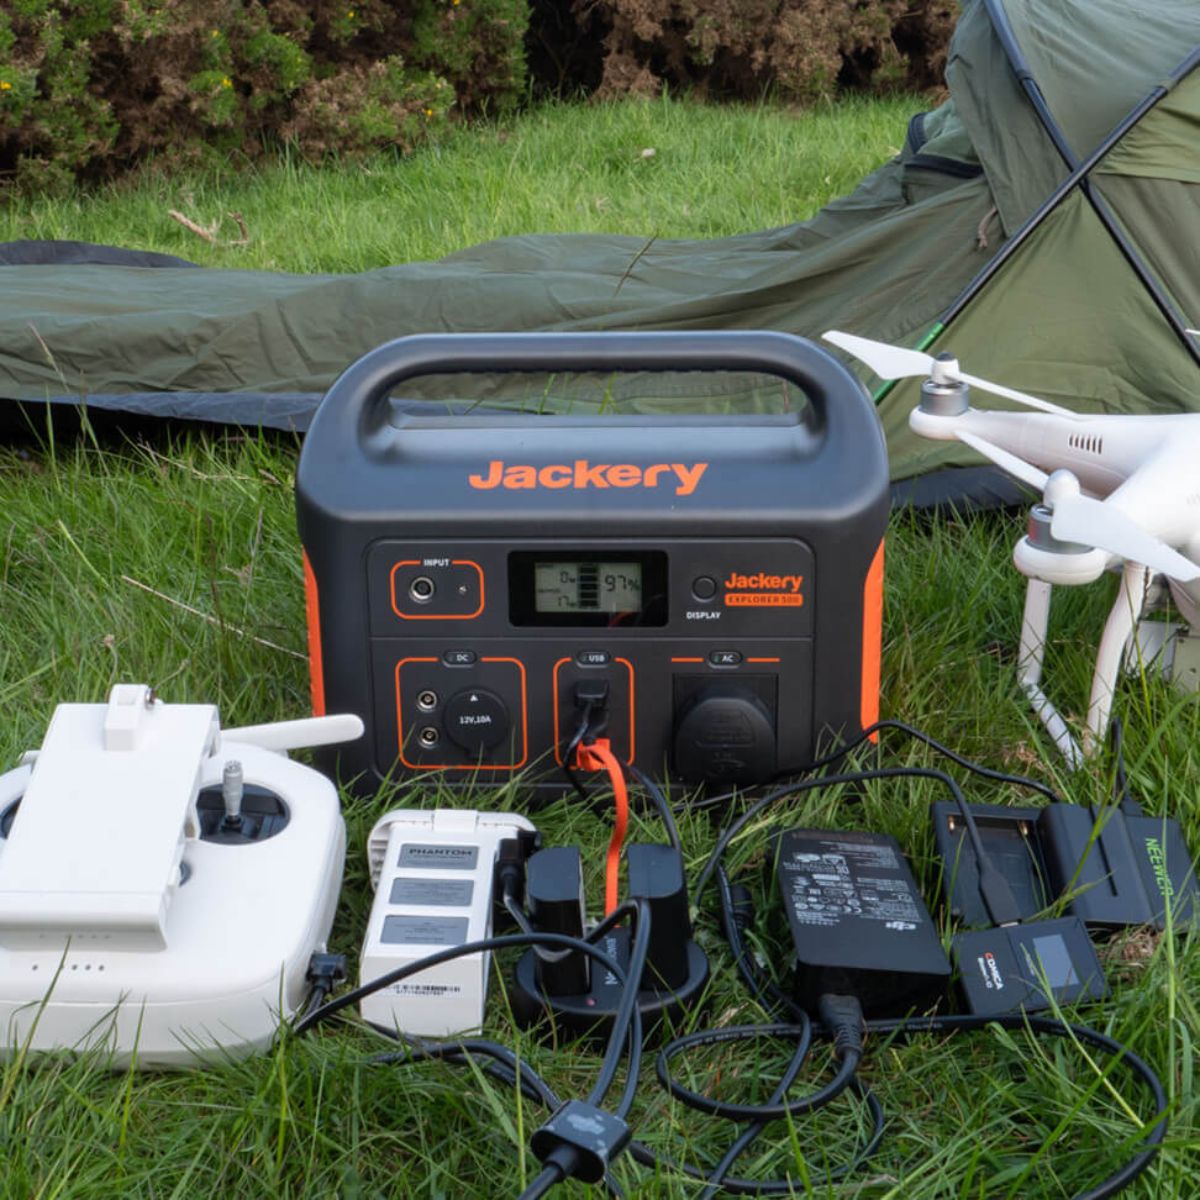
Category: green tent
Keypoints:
(1047, 215)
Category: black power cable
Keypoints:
(660, 804)
(625, 1037)
(590, 712)
(841, 1016)
(993, 887)
(884, 726)
(736, 912)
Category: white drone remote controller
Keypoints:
(163, 883)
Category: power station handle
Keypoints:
(354, 407)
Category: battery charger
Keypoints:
(569, 990)
(1112, 868)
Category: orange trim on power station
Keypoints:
(632, 698)
(750, 660)
(872, 641)
(312, 615)
(687, 660)
(465, 766)
(554, 699)
(433, 616)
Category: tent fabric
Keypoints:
(1065, 317)
(30, 252)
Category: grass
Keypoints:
(207, 521)
(563, 168)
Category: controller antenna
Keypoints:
(232, 789)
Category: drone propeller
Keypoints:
(895, 362)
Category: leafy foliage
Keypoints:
(90, 86)
(801, 49)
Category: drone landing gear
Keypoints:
(1137, 584)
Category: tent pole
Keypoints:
(1078, 175)
(1012, 51)
(1068, 185)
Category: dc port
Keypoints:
(428, 737)
(427, 700)
(421, 589)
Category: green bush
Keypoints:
(797, 49)
(90, 86)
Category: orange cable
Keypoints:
(598, 756)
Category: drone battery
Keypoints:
(1025, 968)
(717, 578)
(433, 876)
(858, 921)
(1115, 869)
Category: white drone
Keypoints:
(1115, 490)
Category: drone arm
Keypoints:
(1160, 495)
(1017, 467)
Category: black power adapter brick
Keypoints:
(858, 921)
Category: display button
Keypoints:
(725, 658)
(476, 720)
(593, 658)
(704, 587)
(459, 658)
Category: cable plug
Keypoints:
(842, 1017)
(588, 757)
(591, 699)
(741, 908)
(508, 876)
(581, 1140)
(997, 896)
(326, 971)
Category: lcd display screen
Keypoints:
(1054, 962)
(578, 587)
(581, 588)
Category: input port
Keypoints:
(421, 589)
(427, 700)
(429, 736)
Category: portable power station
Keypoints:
(711, 586)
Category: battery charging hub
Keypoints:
(569, 991)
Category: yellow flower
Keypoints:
(429, 112)
(214, 33)
(5, 86)
(227, 82)
(350, 14)
(456, 3)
